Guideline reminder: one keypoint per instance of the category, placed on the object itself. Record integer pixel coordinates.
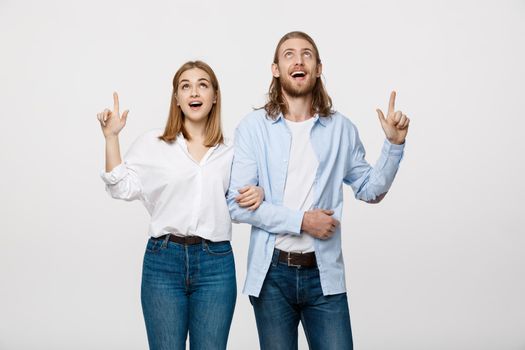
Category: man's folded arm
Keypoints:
(269, 217)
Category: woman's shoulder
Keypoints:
(226, 146)
(150, 137)
(144, 144)
(227, 141)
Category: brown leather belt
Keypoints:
(298, 259)
(183, 240)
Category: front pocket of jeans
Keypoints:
(222, 248)
(153, 246)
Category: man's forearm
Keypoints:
(379, 179)
(269, 217)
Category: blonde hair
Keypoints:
(175, 123)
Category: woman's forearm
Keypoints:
(112, 152)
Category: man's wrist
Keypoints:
(304, 223)
(396, 142)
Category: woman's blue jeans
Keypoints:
(188, 288)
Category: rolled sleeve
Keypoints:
(115, 175)
(123, 183)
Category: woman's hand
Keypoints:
(250, 197)
(112, 122)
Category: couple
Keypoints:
(283, 176)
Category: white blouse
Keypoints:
(182, 196)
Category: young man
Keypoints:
(301, 152)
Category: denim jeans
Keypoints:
(188, 288)
(293, 294)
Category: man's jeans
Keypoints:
(188, 288)
(291, 294)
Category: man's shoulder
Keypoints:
(254, 118)
(340, 120)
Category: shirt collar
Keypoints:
(182, 141)
(316, 117)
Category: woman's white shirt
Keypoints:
(184, 197)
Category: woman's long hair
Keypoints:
(175, 124)
(321, 102)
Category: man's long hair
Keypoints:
(175, 123)
(321, 102)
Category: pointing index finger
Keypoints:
(391, 104)
(115, 102)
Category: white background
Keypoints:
(439, 264)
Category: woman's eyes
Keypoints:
(187, 86)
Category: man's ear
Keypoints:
(319, 70)
(275, 70)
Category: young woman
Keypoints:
(181, 174)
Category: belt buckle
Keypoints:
(290, 264)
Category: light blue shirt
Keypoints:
(261, 153)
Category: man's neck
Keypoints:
(299, 108)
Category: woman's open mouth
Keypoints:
(195, 105)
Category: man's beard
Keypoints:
(300, 91)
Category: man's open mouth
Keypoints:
(298, 74)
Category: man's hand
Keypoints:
(395, 125)
(319, 223)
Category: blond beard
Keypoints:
(291, 91)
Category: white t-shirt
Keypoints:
(299, 187)
(183, 197)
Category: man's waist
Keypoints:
(293, 259)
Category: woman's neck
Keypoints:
(196, 129)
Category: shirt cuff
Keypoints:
(115, 175)
(296, 221)
(392, 149)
